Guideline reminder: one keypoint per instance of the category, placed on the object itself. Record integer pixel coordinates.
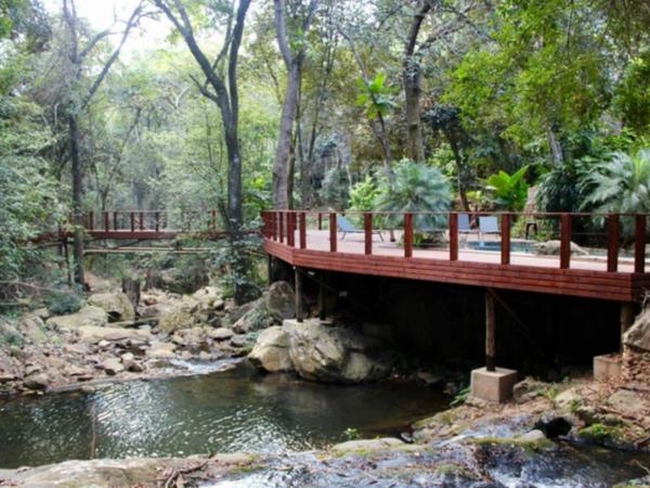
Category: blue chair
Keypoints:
(488, 225)
(465, 227)
(347, 227)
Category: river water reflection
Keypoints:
(234, 410)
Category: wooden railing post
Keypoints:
(141, 220)
(302, 223)
(132, 219)
(281, 216)
(157, 220)
(106, 222)
(639, 243)
(91, 220)
(114, 220)
(332, 232)
(565, 241)
(613, 242)
(505, 238)
(367, 231)
(320, 221)
(453, 237)
(291, 229)
(408, 235)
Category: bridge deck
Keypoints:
(587, 276)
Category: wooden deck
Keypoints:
(610, 276)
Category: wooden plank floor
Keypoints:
(586, 277)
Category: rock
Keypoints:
(112, 366)
(128, 356)
(638, 335)
(554, 427)
(532, 437)
(118, 307)
(33, 328)
(568, 400)
(87, 316)
(271, 352)
(95, 335)
(367, 445)
(205, 356)
(210, 297)
(629, 403)
(280, 301)
(240, 340)
(161, 350)
(39, 381)
(333, 354)
(220, 334)
(179, 317)
(552, 248)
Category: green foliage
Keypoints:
(363, 195)
(351, 433)
(417, 188)
(508, 191)
(63, 303)
(619, 185)
(461, 397)
(375, 96)
(633, 94)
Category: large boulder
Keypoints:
(552, 248)
(88, 315)
(334, 354)
(636, 350)
(638, 335)
(276, 305)
(93, 334)
(271, 352)
(118, 307)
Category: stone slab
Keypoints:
(493, 386)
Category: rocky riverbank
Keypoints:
(549, 434)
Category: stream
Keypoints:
(223, 411)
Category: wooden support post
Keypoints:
(320, 221)
(639, 243)
(322, 307)
(613, 242)
(505, 238)
(132, 220)
(565, 241)
(269, 269)
(490, 343)
(408, 235)
(453, 237)
(298, 294)
(333, 232)
(367, 228)
(627, 318)
(91, 220)
(302, 223)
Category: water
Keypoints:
(235, 410)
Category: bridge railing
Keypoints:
(151, 221)
(609, 239)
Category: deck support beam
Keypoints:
(298, 294)
(491, 383)
(627, 318)
(322, 308)
(490, 325)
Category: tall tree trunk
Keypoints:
(77, 194)
(412, 88)
(293, 64)
(283, 151)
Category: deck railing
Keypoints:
(609, 237)
(151, 220)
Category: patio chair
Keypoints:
(347, 227)
(488, 225)
(465, 227)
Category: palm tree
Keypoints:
(418, 188)
(620, 185)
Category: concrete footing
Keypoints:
(493, 386)
(607, 366)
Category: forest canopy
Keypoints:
(314, 104)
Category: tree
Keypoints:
(223, 91)
(293, 60)
(77, 102)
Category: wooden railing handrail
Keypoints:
(282, 224)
